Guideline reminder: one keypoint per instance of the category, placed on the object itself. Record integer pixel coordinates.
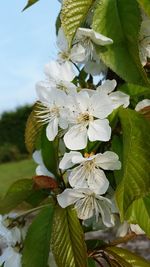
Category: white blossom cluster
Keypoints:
(10, 241)
(78, 116)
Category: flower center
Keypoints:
(84, 118)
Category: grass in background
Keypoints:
(11, 172)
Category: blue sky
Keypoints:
(27, 43)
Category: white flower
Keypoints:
(87, 117)
(86, 37)
(10, 258)
(89, 174)
(75, 54)
(142, 104)
(87, 204)
(118, 98)
(144, 41)
(8, 237)
(58, 76)
(41, 169)
(124, 228)
(51, 111)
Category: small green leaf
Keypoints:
(16, 194)
(30, 3)
(73, 15)
(37, 243)
(136, 157)
(145, 4)
(67, 241)
(120, 20)
(49, 153)
(131, 259)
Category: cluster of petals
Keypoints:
(9, 238)
(82, 115)
(89, 184)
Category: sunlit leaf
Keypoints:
(120, 20)
(67, 242)
(131, 259)
(136, 157)
(73, 15)
(32, 131)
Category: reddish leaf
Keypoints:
(45, 182)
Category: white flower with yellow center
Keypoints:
(58, 76)
(51, 111)
(87, 116)
(87, 38)
(87, 204)
(75, 54)
(89, 173)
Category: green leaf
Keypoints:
(37, 243)
(33, 128)
(116, 260)
(139, 213)
(135, 90)
(91, 263)
(145, 4)
(73, 15)
(132, 259)
(67, 241)
(117, 146)
(49, 153)
(136, 157)
(120, 21)
(30, 3)
(16, 194)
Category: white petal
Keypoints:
(76, 137)
(52, 129)
(62, 42)
(56, 71)
(108, 161)
(122, 229)
(119, 99)
(95, 68)
(100, 39)
(99, 130)
(42, 170)
(66, 161)
(100, 105)
(108, 86)
(137, 229)
(97, 38)
(78, 53)
(85, 208)
(43, 90)
(37, 157)
(104, 206)
(77, 177)
(69, 197)
(142, 104)
(82, 99)
(98, 182)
